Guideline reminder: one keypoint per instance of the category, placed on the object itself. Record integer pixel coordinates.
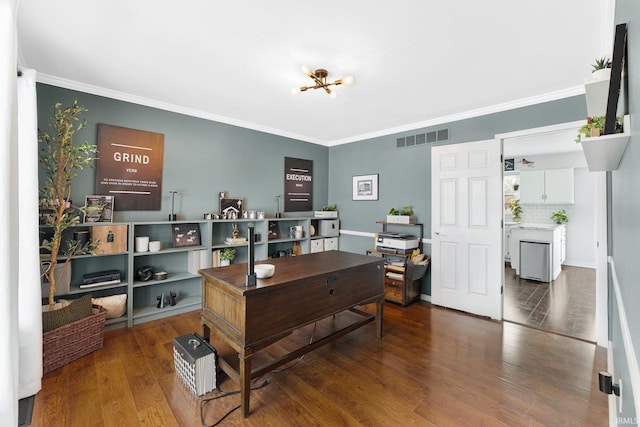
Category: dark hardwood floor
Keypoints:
(565, 306)
(433, 367)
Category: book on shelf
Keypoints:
(197, 260)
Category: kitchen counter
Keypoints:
(546, 233)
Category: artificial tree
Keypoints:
(60, 160)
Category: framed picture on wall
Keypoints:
(365, 187)
(98, 209)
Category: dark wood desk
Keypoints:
(304, 289)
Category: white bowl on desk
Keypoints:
(264, 271)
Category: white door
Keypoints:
(466, 226)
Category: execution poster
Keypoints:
(298, 185)
(129, 167)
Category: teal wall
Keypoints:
(624, 210)
(201, 157)
(405, 173)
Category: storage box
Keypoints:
(113, 238)
(329, 227)
(401, 219)
(195, 363)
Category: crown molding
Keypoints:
(148, 102)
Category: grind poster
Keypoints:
(298, 185)
(129, 167)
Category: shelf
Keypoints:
(171, 277)
(145, 314)
(605, 152)
(171, 250)
(76, 289)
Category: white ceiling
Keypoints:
(415, 63)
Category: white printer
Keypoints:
(396, 243)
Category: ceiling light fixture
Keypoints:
(319, 76)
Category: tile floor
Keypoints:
(565, 306)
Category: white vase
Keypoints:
(601, 74)
(224, 262)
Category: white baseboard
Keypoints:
(425, 297)
(578, 263)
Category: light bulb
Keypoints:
(295, 90)
(347, 80)
(305, 70)
(332, 93)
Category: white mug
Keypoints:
(142, 244)
(155, 246)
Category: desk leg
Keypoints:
(245, 383)
(206, 332)
(379, 307)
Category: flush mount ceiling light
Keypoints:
(319, 76)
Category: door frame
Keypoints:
(600, 218)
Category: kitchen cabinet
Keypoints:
(543, 233)
(549, 186)
(507, 241)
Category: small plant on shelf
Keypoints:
(227, 254)
(601, 64)
(595, 127)
(560, 216)
(329, 208)
(516, 209)
(406, 210)
(60, 160)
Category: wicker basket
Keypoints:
(70, 342)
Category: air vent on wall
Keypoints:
(423, 138)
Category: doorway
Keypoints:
(574, 304)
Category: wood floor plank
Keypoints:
(433, 367)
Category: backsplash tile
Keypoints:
(539, 214)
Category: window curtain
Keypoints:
(20, 321)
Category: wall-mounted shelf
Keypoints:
(604, 153)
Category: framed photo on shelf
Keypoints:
(231, 208)
(365, 187)
(98, 209)
(186, 235)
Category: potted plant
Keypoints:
(601, 69)
(226, 256)
(516, 209)
(595, 127)
(401, 216)
(560, 216)
(60, 160)
(327, 211)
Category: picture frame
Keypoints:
(185, 234)
(365, 187)
(98, 209)
(231, 208)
